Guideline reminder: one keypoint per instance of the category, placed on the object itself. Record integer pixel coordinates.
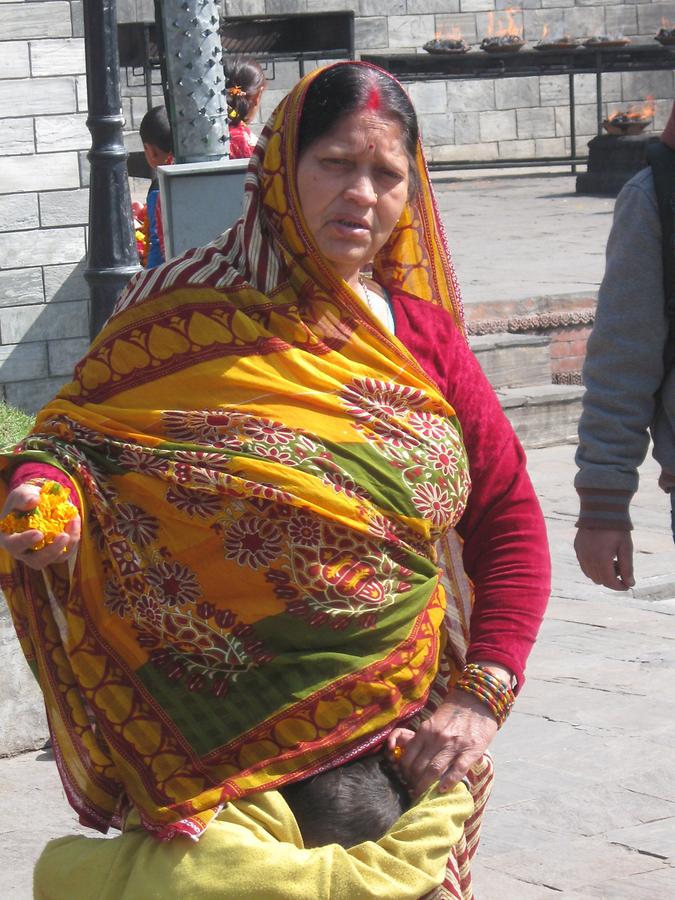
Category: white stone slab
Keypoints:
(18, 212)
(35, 96)
(57, 57)
(17, 137)
(26, 20)
(41, 247)
(14, 61)
(55, 133)
(25, 173)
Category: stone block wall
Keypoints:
(496, 119)
(43, 198)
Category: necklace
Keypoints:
(366, 292)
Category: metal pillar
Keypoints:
(112, 258)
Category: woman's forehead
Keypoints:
(366, 130)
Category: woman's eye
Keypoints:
(391, 174)
(336, 162)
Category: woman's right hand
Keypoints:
(25, 497)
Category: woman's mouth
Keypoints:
(351, 226)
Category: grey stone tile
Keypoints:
(54, 133)
(18, 212)
(655, 838)
(30, 396)
(20, 286)
(20, 173)
(515, 92)
(14, 61)
(43, 247)
(46, 322)
(17, 137)
(429, 97)
(46, 19)
(64, 208)
(498, 125)
(21, 362)
(64, 355)
(490, 885)
(57, 57)
(65, 282)
(659, 884)
(381, 7)
(33, 96)
(410, 31)
(577, 864)
(370, 33)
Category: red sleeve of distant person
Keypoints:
(505, 550)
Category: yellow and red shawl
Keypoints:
(264, 475)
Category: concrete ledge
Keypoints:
(23, 725)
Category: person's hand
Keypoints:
(20, 546)
(446, 745)
(606, 557)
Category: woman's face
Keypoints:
(353, 185)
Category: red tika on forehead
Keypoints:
(373, 100)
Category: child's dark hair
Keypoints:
(155, 129)
(351, 87)
(356, 802)
(244, 79)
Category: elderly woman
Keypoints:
(274, 445)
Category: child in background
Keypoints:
(155, 133)
(244, 84)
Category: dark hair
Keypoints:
(357, 802)
(245, 74)
(155, 129)
(350, 87)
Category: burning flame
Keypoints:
(638, 112)
(499, 29)
(454, 34)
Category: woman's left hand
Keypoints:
(446, 745)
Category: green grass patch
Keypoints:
(14, 424)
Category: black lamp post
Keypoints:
(112, 258)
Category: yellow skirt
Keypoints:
(254, 851)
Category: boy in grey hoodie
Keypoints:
(628, 393)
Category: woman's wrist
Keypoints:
(490, 684)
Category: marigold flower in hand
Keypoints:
(50, 516)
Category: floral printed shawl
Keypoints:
(264, 475)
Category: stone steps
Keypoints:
(519, 368)
(514, 360)
(543, 414)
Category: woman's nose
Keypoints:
(362, 190)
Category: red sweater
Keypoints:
(505, 545)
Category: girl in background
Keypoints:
(245, 82)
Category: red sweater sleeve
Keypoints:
(505, 544)
(28, 470)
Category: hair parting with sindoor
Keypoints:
(352, 87)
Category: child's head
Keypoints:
(155, 132)
(353, 803)
(244, 84)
